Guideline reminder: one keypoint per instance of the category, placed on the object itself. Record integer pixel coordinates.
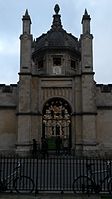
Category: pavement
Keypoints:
(47, 196)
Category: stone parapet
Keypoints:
(104, 95)
(8, 88)
(106, 88)
(8, 95)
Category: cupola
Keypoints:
(54, 49)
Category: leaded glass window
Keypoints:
(57, 118)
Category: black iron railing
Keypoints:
(62, 173)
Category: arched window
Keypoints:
(57, 119)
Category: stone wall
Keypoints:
(104, 95)
(104, 118)
(8, 120)
(8, 129)
(8, 95)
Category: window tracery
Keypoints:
(57, 118)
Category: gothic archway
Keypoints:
(57, 121)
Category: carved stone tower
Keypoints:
(88, 86)
(56, 87)
(56, 97)
(24, 106)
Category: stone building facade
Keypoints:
(56, 95)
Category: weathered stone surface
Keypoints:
(56, 66)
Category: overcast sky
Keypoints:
(41, 11)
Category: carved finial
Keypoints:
(56, 19)
(86, 13)
(57, 9)
(26, 16)
(26, 13)
(86, 16)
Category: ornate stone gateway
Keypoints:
(57, 122)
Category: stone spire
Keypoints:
(56, 26)
(26, 22)
(26, 13)
(26, 16)
(86, 22)
(86, 16)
